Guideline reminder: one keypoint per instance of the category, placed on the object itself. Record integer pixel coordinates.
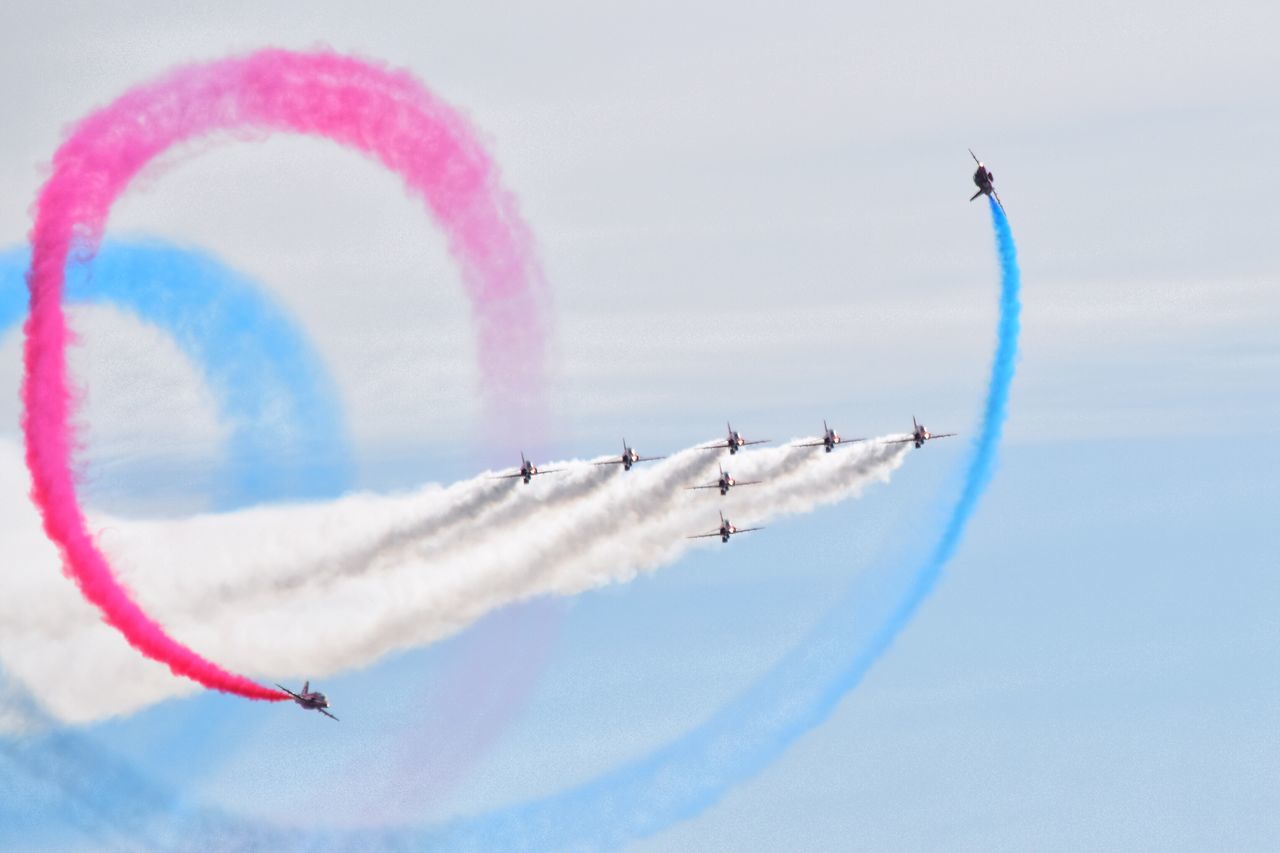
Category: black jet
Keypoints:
(629, 457)
(726, 530)
(527, 471)
(919, 435)
(311, 700)
(733, 441)
(725, 483)
(830, 438)
(985, 179)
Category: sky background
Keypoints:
(761, 215)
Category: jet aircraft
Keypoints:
(830, 438)
(725, 483)
(311, 700)
(629, 457)
(527, 471)
(984, 179)
(919, 435)
(733, 441)
(726, 530)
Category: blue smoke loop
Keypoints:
(287, 438)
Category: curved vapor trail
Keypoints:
(386, 115)
(683, 778)
(287, 436)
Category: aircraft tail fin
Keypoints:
(306, 686)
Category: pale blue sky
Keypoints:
(762, 215)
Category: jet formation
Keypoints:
(733, 441)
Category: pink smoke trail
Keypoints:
(385, 114)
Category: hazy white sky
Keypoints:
(760, 213)
(743, 181)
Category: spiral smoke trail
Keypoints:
(386, 115)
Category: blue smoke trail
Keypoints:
(287, 437)
(691, 774)
(687, 776)
(288, 441)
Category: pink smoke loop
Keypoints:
(385, 114)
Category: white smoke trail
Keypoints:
(306, 591)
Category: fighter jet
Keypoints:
(830, 438)
(919, 435)
(312, 701)
(984, 179)
(726, 530)
(629, 457)
(725, 483)
(527, 471)
(733, 441)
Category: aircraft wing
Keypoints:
(610, 462)
(943, 435)
(900, 440)
(506, 476)
(748, 483)
(327, 714)
(711, 486)
(650, 458)
(975, 157)
(548, 471)
(996, 196)
(757, 441)
(721, 446)
(747, 529)
(704, 535)
(810, 444)
(290, 692)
